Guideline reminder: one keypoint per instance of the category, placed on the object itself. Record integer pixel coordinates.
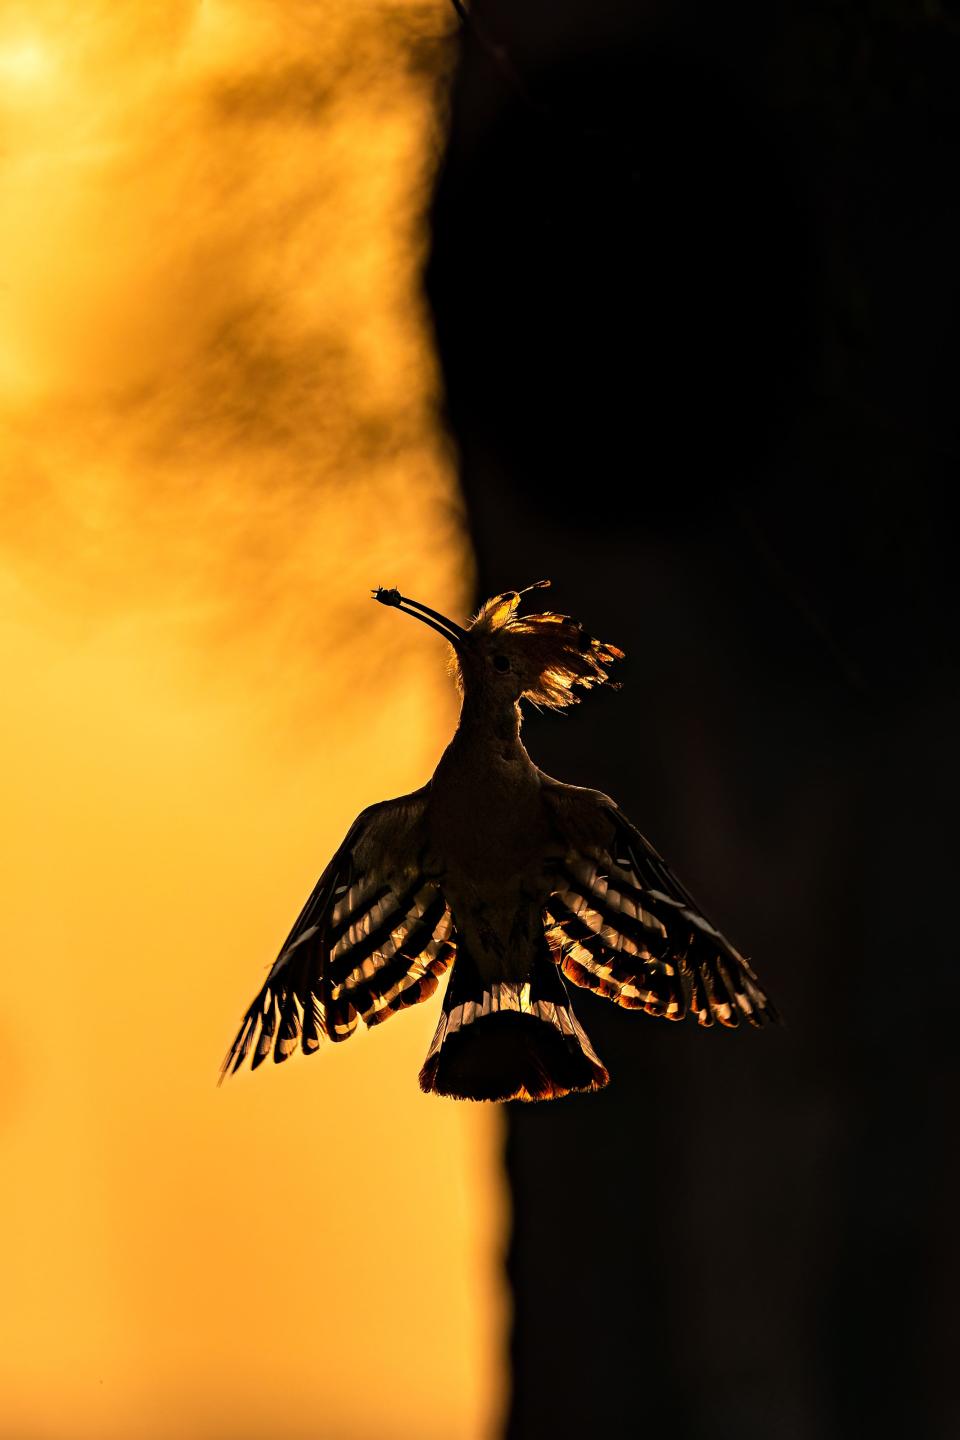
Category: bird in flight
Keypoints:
(512, 880)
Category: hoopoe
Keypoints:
(512, 878)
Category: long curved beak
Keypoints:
(449, 629)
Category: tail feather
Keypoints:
(509, 1040)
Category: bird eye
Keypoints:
(500, 662)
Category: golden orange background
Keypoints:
(219, 430)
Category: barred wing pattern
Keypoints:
(374, 937)
(621, 924)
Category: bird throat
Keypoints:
(485, 725)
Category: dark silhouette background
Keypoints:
(695, 278)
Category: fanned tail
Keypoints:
(509, 1040)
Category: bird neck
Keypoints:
(484, 723)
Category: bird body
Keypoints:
(522, 880)
(487, 823)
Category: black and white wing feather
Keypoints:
(374, 937)
(620, 923)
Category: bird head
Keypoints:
(506, 656)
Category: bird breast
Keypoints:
(490, 834)
(486, 820)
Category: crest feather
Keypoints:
(554, 649)
(495, 612)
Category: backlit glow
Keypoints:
(24, 63)
(217, 432)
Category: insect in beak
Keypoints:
(449, 629)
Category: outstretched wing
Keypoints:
(375, 936)
(621, 924)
